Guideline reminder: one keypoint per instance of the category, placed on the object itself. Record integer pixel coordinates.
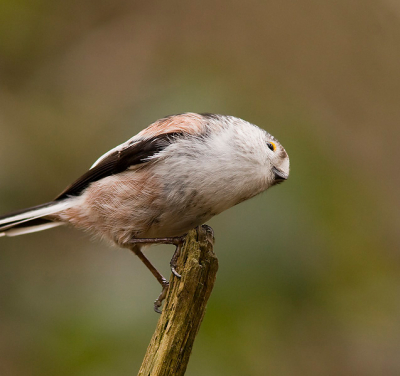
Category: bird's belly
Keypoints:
(136, 205)
(176, 223)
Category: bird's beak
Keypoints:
(279, 175)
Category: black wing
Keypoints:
(119, 161)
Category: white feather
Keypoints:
(117, 148)
(37, 213)
(28, 230)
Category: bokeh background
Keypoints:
(309, 279)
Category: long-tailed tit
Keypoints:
(171, 177)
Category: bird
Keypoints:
(171, 177)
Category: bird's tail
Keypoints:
(31, 219)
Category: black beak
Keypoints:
(279, 175)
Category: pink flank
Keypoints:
(190, 123)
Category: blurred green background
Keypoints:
(309, 280)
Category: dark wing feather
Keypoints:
(120, 161)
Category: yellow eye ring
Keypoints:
(271, 145)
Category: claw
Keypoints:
(161, 297)
(175, 258)
(174, 272)
(157, 304)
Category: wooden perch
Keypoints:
(170, 347)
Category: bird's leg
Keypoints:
(177, 241)
(163, 282)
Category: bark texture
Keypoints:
(184, 307)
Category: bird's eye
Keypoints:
(271, 146)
